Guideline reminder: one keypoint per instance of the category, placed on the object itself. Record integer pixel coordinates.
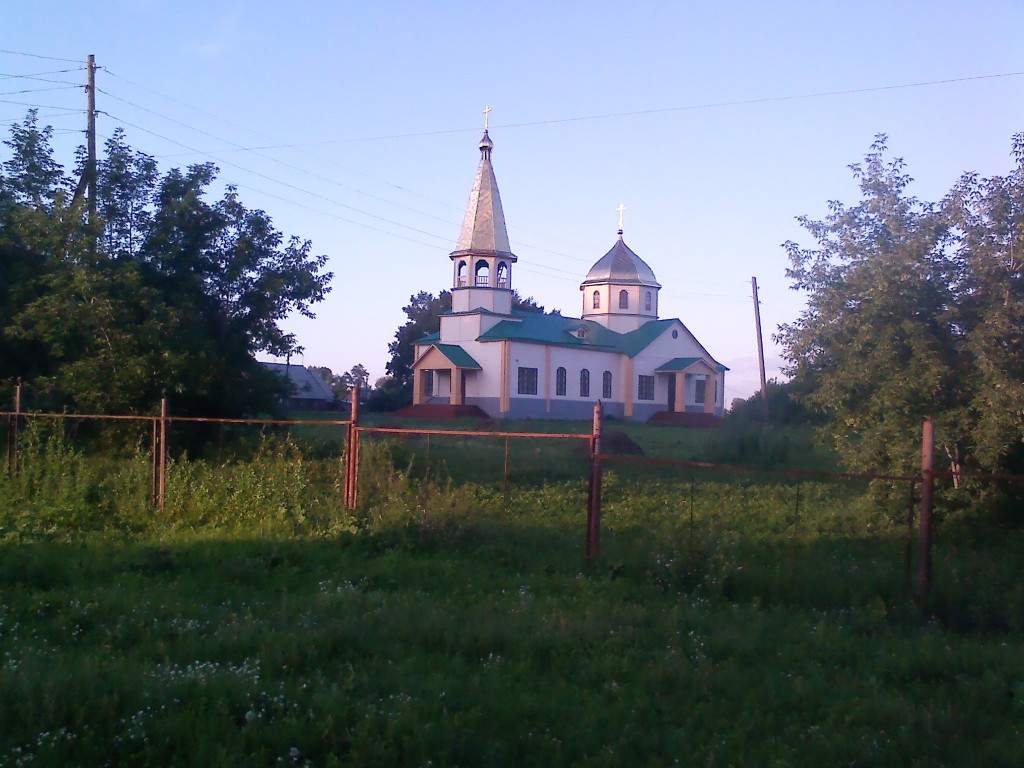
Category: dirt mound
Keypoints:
(614, 442)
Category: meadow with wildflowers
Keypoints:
(454, 622)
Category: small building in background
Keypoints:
(309, 392)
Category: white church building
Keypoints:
(515, 364)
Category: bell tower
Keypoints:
(482, 260)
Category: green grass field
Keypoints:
(452, 621)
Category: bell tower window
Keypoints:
(482, 274)
(647, 301)
(460, 276)
(597, 300)
(623, 299)
(503, 281)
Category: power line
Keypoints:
(37, 75)
(38, 106)
(38, 56)
(282, 183)
(40, 90)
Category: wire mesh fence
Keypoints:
(751, 530)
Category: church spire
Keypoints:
(483, 228)
(482, 259)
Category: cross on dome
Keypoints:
(487, 111)
(622, 208)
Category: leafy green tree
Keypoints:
(175, 291)
(989, 215)
(424, 312)
(915, 310)
(878, 339)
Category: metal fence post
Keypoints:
(352, 460)
(593, 546)
(924, 563)
(13, 427)
(161, 483)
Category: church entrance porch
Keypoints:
(440, 375)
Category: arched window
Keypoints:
(483, 274)
(606, 385)
(584, 383)
(647, 301)
(503, 275)
(623, 299)
(597, 300)
(460, 281)
(560, 382)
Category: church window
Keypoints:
(675, 334)
(584, 383)
(428, 383)
(460, 281)
(560, 382)
(606, 385)
(503, 281)
(483, 274)
(700, 388)
(647, 301)
(597, 300)
(527, 381)
(645, 388)
(623, 299)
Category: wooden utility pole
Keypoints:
(87, 184)
(90, 90)
(760, 350)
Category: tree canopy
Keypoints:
(915, 309)
(167, 290)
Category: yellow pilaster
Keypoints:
(547, 379)
(457, 395)
(630, 388)
(680, 392)
(417, 386)
(503, 405)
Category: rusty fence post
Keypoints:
(13, 427)
(352, 457)
(504, 481)
(161, 482)
(154, 474)
(924, 562)
(593, 546)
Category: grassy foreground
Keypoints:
(452, 624)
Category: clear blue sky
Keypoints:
(356, 125)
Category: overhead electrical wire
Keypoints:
(39, 56)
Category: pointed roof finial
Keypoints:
(487, 112)
(621, 209)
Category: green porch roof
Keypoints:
(679, 364)
(457, 356)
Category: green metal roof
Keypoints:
(677, 364)
(429, 338)
(682, 363)
(457, 356)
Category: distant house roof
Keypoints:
(306, 385)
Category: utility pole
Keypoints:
(760, 350)
(87, 184)
(90, 168)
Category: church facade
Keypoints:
(515, 364)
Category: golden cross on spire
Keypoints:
(487, 111)
(621, 209)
